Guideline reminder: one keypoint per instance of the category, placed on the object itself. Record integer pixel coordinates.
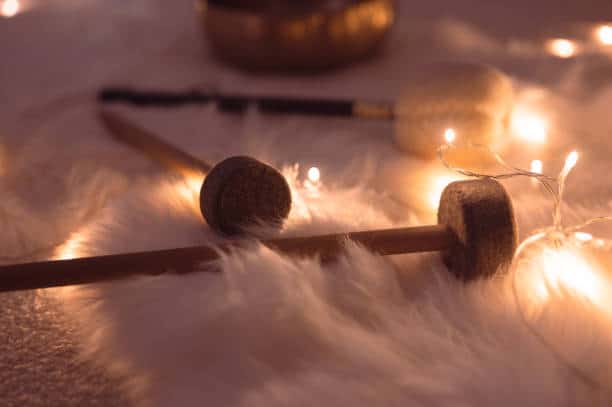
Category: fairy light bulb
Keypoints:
(561, 283)
(583, 236)
(314, 175)
(536, 167)
(9, 8)
(529, 126)
(604, 34)
(71, 248)
(437, 185)
(566, 269)
(562, 48)
(570, 162)
(450, 135)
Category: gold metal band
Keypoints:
(369, 110)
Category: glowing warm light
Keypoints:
(450, 135)
(70, 249)
(604, 34)
(381, 17)
(583, 236)
(570, 162)
(529, 126)
(9, 8)
(314, 175)
(185, 191)
(188, 189)
(599, 242)
(564, 269)
(536, 166)
(195, 184)
(562, 48)
(436, 188)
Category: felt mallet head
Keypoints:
(473, 100)
(240, 192)
(237, 193)
(480, 214)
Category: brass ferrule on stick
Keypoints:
(370, 110)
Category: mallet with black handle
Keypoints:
(474, 100)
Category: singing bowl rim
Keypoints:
(310, 41)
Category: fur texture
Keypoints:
(271, 330)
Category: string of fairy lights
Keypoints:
(559, 260)
(600, 35)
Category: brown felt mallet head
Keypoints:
(237, 193)
(480, 214)
(240, 192)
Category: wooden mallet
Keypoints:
(238, 192)
(476, 233)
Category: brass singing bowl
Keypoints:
(295, 35)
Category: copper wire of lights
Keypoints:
(556, 233)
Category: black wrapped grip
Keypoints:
(228, 103)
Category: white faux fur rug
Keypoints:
(271, 330)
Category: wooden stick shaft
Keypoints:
(153, 146)
(55, 273)
(240, 103)
(384, 242)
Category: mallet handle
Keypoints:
(101, 268)
(240, 103)
(153, 146)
